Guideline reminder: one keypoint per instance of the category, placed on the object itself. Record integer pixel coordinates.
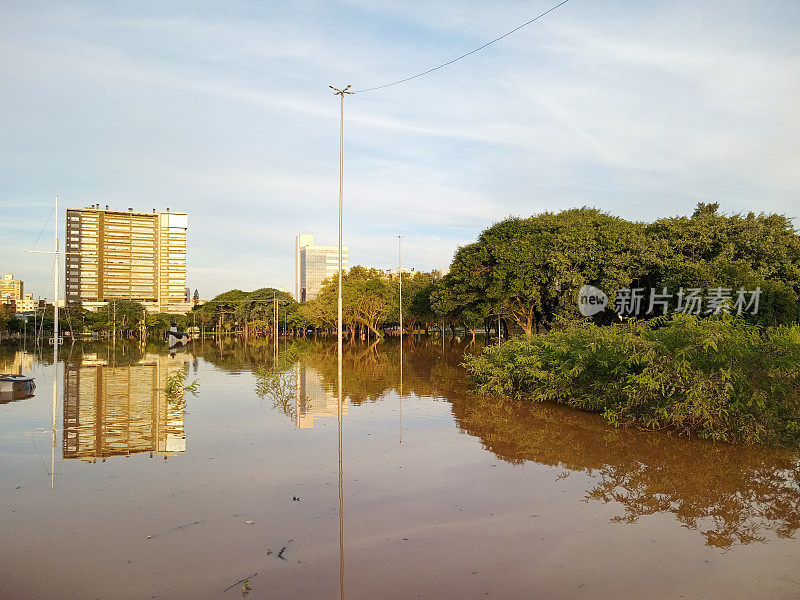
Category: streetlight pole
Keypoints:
(340, 93)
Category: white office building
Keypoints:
(313, 265)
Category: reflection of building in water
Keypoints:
(19, 362)
(312, 399)
(113, 411)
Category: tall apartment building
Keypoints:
(10, 288)
(313, 265)
(126, 255)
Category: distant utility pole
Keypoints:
(400, 269)
(275, 326)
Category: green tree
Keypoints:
(366, 301)
(127, 315)
(6, 317)
(709, 250)
(367, 298)
(530, 270)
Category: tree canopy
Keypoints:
(530, 270)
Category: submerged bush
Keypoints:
(718, 379)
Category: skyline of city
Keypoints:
(77, 257)
(69, 257)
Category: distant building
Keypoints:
(126, 255)
(313, 265)
(392, 273)
(27, 304)
(22, 306)
(10, 288)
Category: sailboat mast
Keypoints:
(55, 350)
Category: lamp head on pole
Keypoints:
(342, 92)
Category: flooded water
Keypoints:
(126, 487)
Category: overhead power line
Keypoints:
(450, 62)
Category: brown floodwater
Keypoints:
(250, 483)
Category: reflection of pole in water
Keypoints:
(341, 494)
(401, 388)
(53, 450)
(400, 275)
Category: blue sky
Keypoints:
(222, 109)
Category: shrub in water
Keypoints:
(718, 379)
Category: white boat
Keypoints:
(18, 386)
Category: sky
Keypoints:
(223, 110)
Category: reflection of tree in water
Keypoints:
(232, 354)
(277, 380)
(731, 494)
(275, 376)
(370, 371)
(278, 386)
(756, 501)
(366, 369)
